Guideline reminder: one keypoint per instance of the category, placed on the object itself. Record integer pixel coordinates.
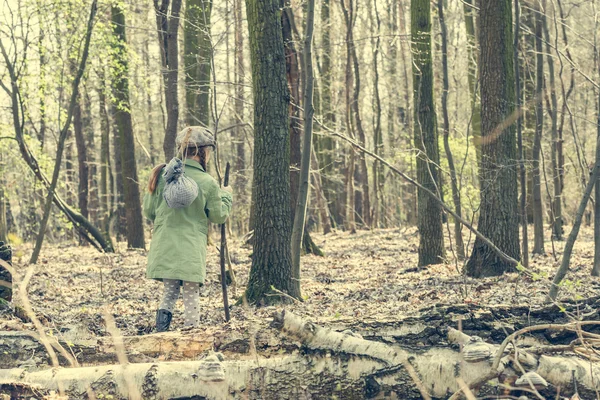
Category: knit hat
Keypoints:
(195, 136)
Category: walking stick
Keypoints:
(222, 251)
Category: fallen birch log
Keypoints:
(24, 348)
(328, 363)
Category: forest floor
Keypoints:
(367, 276)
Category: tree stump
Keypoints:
(5, 276)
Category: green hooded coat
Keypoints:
(178, 247)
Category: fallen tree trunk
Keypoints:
(25, 349)
(329, 363)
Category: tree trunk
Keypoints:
(460, 246)
(83, 185)
(392, 212)
(119, 218)
(325, 144)
(497, 219)
(131, 190)
(241, 180)
(378, 175)
(298, 231)
(292, 64)
(42, 83)
(431, 243)
(168, 28)
(557, 221)
(522, 174)
(538, 219)
(106, 187)
(3, 212)
(362, 203)
(149, 107)
(90, 145)
(271, 261)
(320, 194)
(469, 7)
(379, 368)
(6, 291)
(197, 55)
(596, 269)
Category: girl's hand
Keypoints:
(227, 189)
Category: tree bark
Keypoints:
(292, 64)
(106, 180)
(197, 55)
(91, 151)
(460, 246)
(429, 221)
(538, 219)
(325, 145)
(6, 291)
(83, 184)
(3, 213)
(596, 269)
(521, 150)
(557, 220)
(320, 194)
(380, 361)
(378, 175)
(271, 260)
(469, 8)
(298, 230)
(362, 203)
(168, 28)
(131, 190)
(241, 180)
(497, 219)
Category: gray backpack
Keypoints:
(180, 191)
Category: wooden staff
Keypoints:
(222, 254)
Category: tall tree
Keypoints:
(469, 7)
(271, 260)
(538, 219)
(520, 145)
(556, 153)
(302, 201)
(429, 222)
(239, 132)
(106, 176)
(168, 28)
(120, 89)
(292, 63)
(458, 240)
(83, 184)
(325, 144)
(362, 203)
(498, 220)
(378, 174)
(197, 56)
(596, 268)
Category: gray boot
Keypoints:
(163, 320)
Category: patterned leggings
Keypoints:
(191, 296)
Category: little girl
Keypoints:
(177, 255)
